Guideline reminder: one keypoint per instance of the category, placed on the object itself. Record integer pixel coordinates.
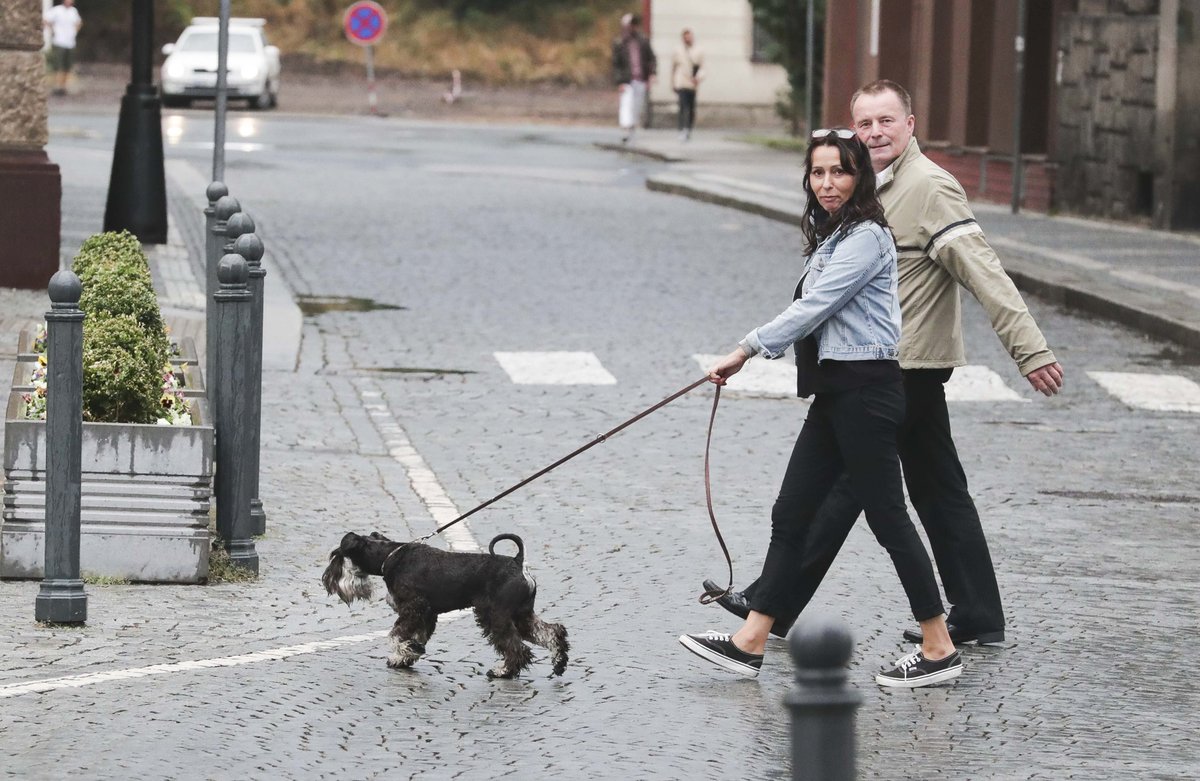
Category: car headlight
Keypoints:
(250, 71)
(175, 70)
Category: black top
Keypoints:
(814, 376)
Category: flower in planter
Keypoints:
(174, 408)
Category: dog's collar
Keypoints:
(393, 553)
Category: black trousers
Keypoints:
(687, 108)
(851, 433)
(937, 487)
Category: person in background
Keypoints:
(844, 322)
(63, 22)
(687, 71)
(634, 67)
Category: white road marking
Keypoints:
(555, 368)
(759, 377)
(777, 379)
(271, 655)
(424, 482)
(90, 679)
(979, 383)
(1158, 392)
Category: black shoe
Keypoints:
(915, 670)
(959, 635)
(735, 602)
(719, 649)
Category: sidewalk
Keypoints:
(1143, 278)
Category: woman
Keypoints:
(845, 323)
(687, 71)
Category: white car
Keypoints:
(190, 70)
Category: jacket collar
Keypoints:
(885, 177)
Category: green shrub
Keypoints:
(122, 371)
(124, 289)
(106, 249)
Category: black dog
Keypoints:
(424, 582)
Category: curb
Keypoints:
(641, 151)
(689, 188)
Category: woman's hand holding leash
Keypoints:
(728, 366)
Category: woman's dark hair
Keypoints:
(863, 205)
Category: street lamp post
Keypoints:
(137, 187)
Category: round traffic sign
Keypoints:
(364, 22)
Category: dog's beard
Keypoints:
(352, 584)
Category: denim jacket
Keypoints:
(848, 297)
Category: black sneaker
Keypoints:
(719, 649)
(915, 670)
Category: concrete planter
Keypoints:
(145, 492)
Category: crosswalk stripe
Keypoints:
(1158, 392)
(778, 378)
(758, 377)
(979, 383)
(555, 368)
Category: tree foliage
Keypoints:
(784, 21)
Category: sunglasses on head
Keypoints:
(843, 133)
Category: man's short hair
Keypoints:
(635, 20)
(884, 85)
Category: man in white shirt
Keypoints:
(64, 22)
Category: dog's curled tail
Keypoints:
(520, 557)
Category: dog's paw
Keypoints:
(500, 672)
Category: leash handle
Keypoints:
(712, 595)
(593, 443)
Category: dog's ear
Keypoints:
(333, 573)
(379, 537)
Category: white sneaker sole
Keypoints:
(924, 680)
(719, 660)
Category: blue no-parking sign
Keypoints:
(364, 22)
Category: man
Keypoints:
(634, 66)
(63, 22)
(940, 246)
(687, 71)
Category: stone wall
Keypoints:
(30, 185)
(1106, 110)
(22, 86)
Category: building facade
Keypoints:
(739, 86)
(1109, 120)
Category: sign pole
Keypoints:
(372, 99)
(364, 24)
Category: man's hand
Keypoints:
(728, 366)
(1047, 380)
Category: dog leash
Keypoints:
(709, 595)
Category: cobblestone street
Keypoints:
(485, 241)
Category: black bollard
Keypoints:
(61, 599)
(233, 473)
(212, 244)
(250, 247)
(214, 248)
(822, 705)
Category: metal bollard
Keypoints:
(61, 599)
(233, 474)
(250, 247)
(225, 207)
(822, 706)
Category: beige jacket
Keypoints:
(683, 67)
(939, 247)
